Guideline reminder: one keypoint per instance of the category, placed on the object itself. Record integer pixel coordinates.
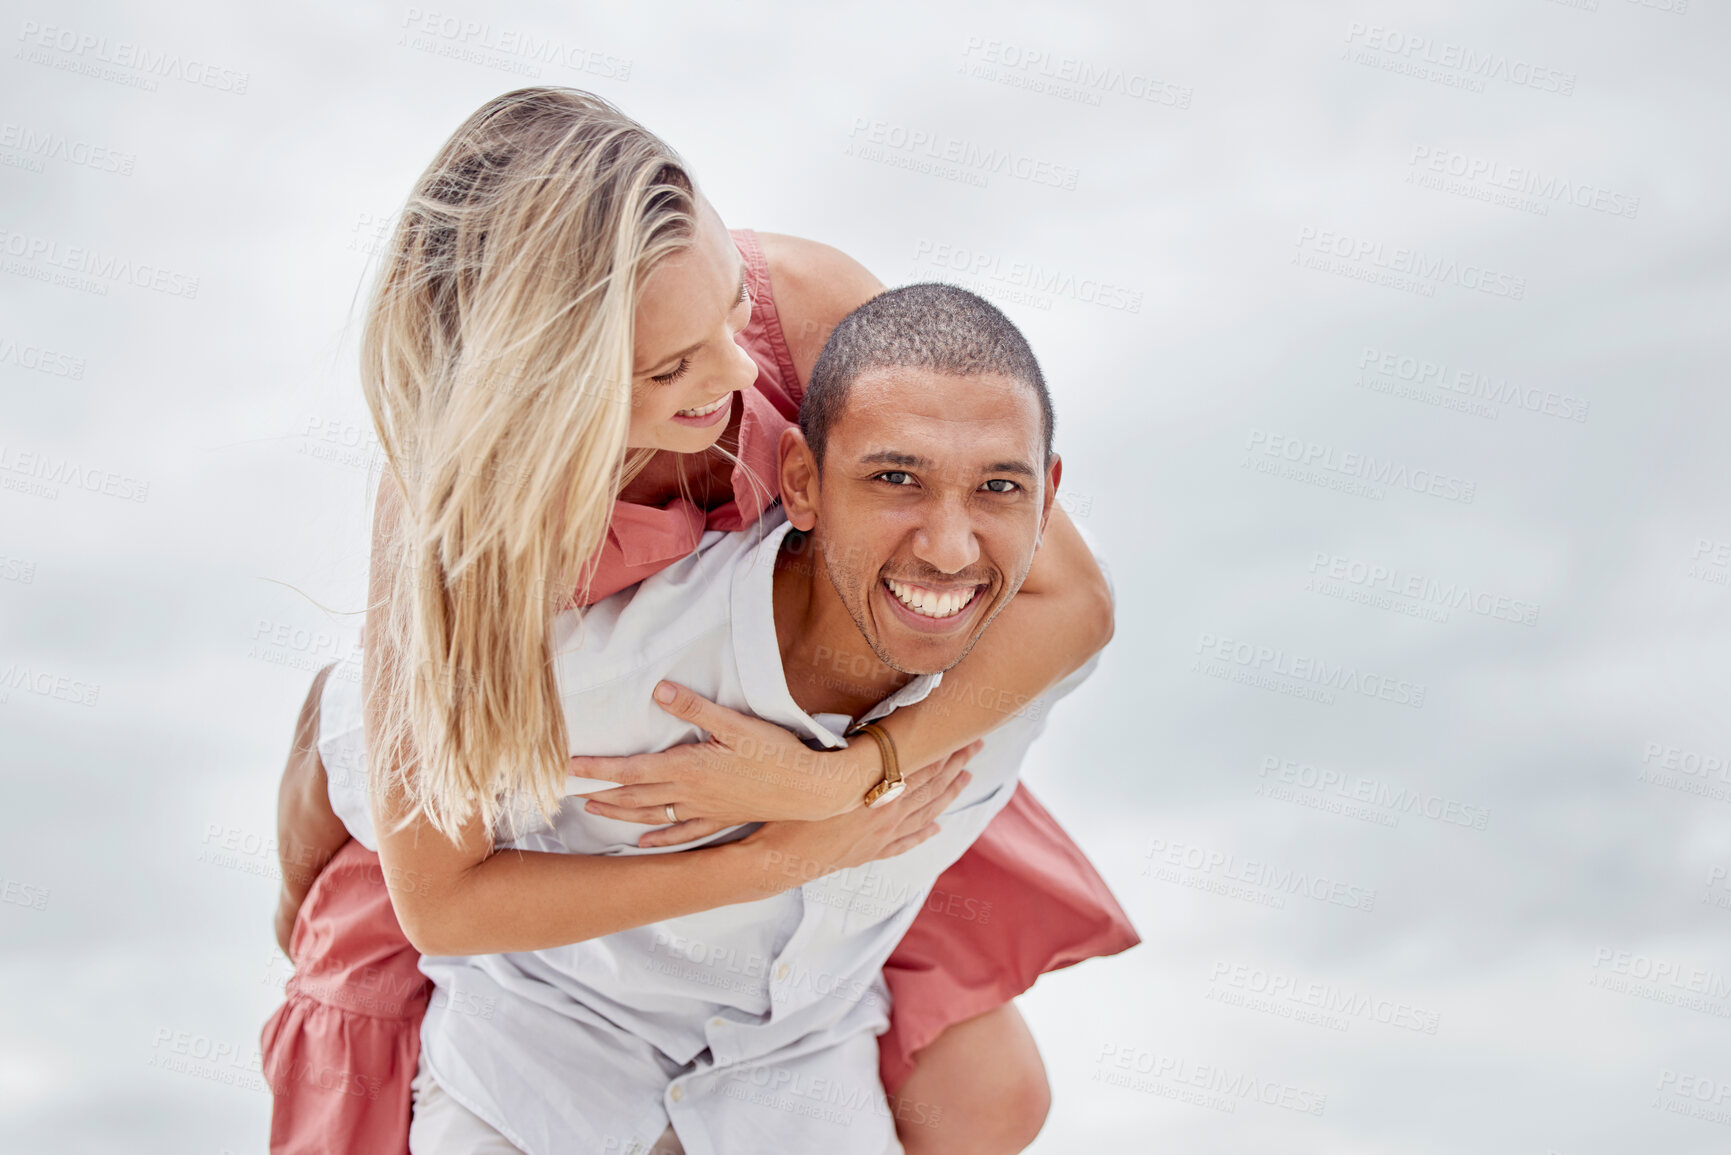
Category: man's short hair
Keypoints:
(928, 326)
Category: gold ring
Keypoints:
(671, 817)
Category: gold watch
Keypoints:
(893, 783)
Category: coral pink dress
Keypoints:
(340, 1052)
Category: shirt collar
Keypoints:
(758, 652)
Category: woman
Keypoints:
(551, 360)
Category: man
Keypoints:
(914, 495)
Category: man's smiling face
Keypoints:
(927, 509)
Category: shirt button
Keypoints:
(677, 1093)
(781, 971)
(718, 1022)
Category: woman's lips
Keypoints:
(706, 415)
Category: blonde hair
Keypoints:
(497, 363)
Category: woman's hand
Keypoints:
(921, 783)
(797, 852)
(745, 770)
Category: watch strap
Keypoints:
(892, 764)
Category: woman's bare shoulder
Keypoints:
(815, 285)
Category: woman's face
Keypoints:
(685, 365)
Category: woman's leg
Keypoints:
(978, 1089)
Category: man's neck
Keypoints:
(828, 665)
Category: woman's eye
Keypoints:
(674, 375)
(1008, 485)
(896, 477)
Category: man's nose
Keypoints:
(946, 539)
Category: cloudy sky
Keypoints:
(1383, 338)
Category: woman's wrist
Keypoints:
(849, 773)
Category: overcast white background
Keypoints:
(1573, 956)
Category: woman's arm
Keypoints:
(1061, 617)
(464, 898)
(308, 832)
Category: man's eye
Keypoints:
(896, 477)
(1008, 485)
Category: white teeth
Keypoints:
(707, 409)
(930, 603)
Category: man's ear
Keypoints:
(1054, 473)
(799, 480)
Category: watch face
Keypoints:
(891, 791)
